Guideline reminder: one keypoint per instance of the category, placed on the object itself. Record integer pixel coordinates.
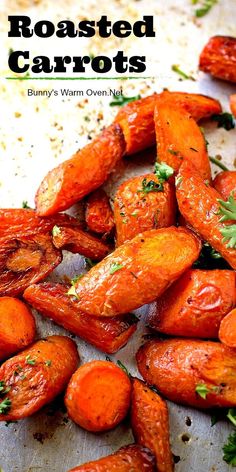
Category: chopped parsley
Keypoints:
(3, 388)
(72, 292)
(122, 366)
(163, 171)
(185, 76)
(5, 406)
(30, 361)
(229, 236)
(202, 390)
(205, 8)
(228, 211)
(48, 363)
(56, 230)
(216, 161)
(231, 415)
(25, 204)
(224, 120)
(115, 267)
(229, 450)
(171, 151)
(121, 100)
(178, 180)
(151, 186)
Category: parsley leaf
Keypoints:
(121, 100)
(5, 406)
(206, 7)
(3, 388)
(151, 186)
(215, 161)
(122, 366)
(185, 76)
(229, 233)
(224, 120)
(163, 171)
(30, 361)
(48, 363)
(56, 230)
(72, 292)
(227, 209)
(229, 450)
(25, 204)
(231, 415)
(202, 390)
(115, 267)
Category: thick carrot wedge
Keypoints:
(199, 205)
(150, 424)
(85, 171)
(218, 58)
(52, 301)
(191, 372)
(98, 396)
(194, 305)
(140, 204)
(225, 183)
(129, 458)
(137, 118)
(36, 376)
(99, 215)
(137, 272)
(232, 102)
(78, 241)
(180, 138)
(17, 326)
(227, 331)
(26, 260)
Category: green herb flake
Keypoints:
(224, 120)
(171, 151)
(182, 74)
(206, 7)
(227, 209)
(30, 361)
(56, 230)
(122, 366)
(3, 388)
(25, 204)
(5, 406)
(89, 262)
(86, 118)
(231, 415)
(72, 292)
(151, 186)
(216, 161)
(115, 267)
(229, 236)
(48, 363)
(202, 390)
(121, 100)
(163, 171)
(229, 450)
(135, 213)
(178, 180)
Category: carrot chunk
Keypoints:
(232, 102)
(227, 331)
(225, 183)
(99, 215)
(218, 58)
(78, 241)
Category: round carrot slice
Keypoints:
(98, 396)
(227, 331)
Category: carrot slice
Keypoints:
(225, 183)
(99, 215)
(194, 305)
(85, 171)
(17, 326)
(199, 205)
(179, 138)
(137, 208)
(150, 424)
(137, 272)
(36, 376)
(129, 458)
(232, 102)
(190, 372)
(78, 241)
(218, 58)
(227, 331)
(98, 396)
(52, 301)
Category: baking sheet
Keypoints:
(36, 134)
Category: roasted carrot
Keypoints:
(84, 172)
(232, 102)
(99, 215)
(52, 301)
(199, 205)
(218, 58)
(129, 458)
(190, 372)
(78, 241)
(142, 203)
(36, 376)
(225, 183)
(26, 260)
(194, 305)
(137, 272)
(179, 138)
(227, 331)
(137, 118)
(17, 326)
(98, 396)
(150, 424)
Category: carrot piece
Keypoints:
(227, 331)
(218, 58)
(99, 215)
(85, 171)
(129, 458)
(136, 210)
(98, 396)
(195, 305)
(25, 260)
(137, 118)
(198, 203)
(78, 241)
(225, 183)
(108, 335)
(232, 102)
(137, 272)
(191, 372)
(179, 138)
(150, 424)
(36, 376)
(17, 326)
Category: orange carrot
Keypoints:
(232, 102)
(218, 58)
(99, 215)
(98, 396)
(17, 326)
(227, 331)
(150, 424)
(78, 241)
(85, 171)
(225, 183)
